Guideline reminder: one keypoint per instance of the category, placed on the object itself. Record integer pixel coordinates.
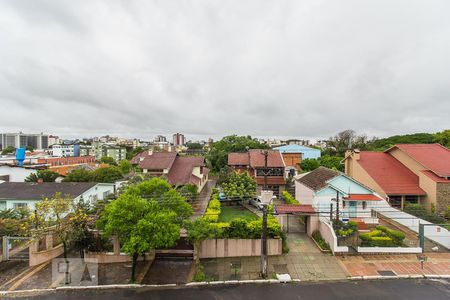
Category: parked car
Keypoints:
(222, 196)
(256, 202)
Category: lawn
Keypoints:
(230, 213)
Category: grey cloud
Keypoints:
(210, 68)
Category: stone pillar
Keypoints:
(49, 241)
(116, 245)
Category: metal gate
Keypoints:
(15, 248)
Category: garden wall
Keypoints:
(111, 257)
(237, 247)
(377, 250)
(330, 237)
(39, 257)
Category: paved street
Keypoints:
(407, 289)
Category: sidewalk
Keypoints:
(407, 264)
(304, 262)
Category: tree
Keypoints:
(239, 185)
(125, 166)
(29, 148)
(45, 175)
(443, 138)
(140, 225)
(81, 236)
(189, 191)
(106, 175)
(309, 164)
(199, 230)
(8, 150)
(108, 160)
(217, 156)
(386, 143)
(134, 152)
(79, 175)
(331, 162)
(52, 217)
(14, 222)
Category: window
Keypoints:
(395, 201)
(364, 204)
(269, 171)
(2, 205)
(343, 204)
(20, 205)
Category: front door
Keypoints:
(352, 209)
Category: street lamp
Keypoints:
(265, 204)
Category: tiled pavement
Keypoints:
(407, 264)
(304, 262)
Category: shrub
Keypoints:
(344, 229)
(213, 211)
(289, 198)
(320, 241)
(382, 241)
(421, 212)
(199, 273)
(382, 237)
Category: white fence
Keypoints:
(389, 250)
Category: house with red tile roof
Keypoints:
(405, 173)
(253, 162)
(179, 170)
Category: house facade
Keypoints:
(253, 162)
(405, 173)
(25, 195)
(324, 187)
(179, 170)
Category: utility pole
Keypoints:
(264, 224)
(337, 205)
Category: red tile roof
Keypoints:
(255, 159)
(434, 157)
(274, 159)
(434, 177)
(391, 175)
(294, 208)
(362, 197)
(156, 160)
(181, 171)
(238, 159)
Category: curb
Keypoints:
(204, 283)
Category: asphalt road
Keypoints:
(397, 289)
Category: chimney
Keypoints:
(40, 180)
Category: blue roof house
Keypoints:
(306, 152)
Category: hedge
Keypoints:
(320, 241)
(213, 211)
(382, 237)
(289, 198)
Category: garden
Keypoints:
(382, 237)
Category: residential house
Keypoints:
(253, 162)
(324, 187)
(294, 154)
(405, 173)
(15, 195)
(179, 170)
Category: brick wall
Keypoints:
(442, 196)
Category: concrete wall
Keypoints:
(303, 194)
(237, 247)
(377, 250)
(330, 237)
(429, 186)
(442, 196)
(110, 257)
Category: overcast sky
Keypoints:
(212, 68)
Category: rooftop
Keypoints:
(391, 175)
(36, 191)
(434, 157)
(295, 149)
(317, 179)
(255, 158)
(181, 171)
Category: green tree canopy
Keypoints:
(108, 160)
(45, 175)
(125, 166)
(443, 138)
(29, 148)
(239, 185)
(217, 156)
(106, 175)
(78, 175)
(194, 146)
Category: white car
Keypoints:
(256, 202)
